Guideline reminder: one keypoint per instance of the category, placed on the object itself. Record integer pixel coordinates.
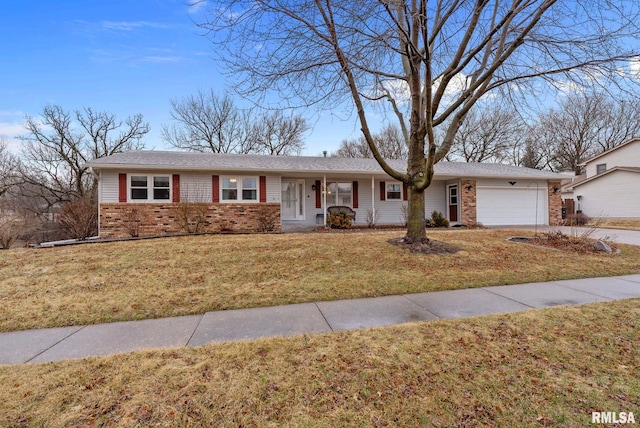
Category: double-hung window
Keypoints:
(149, 188)
(239, 189)
(394, 191)
(339, 194)
(600, 168)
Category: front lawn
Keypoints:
(538, 368)
(95, 283)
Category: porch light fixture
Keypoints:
(555, 190)
(313, 187)
(469, 187)
(579, 197)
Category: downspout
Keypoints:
(99, 198)
(99, 177)
(324, 198)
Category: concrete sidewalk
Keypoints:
(54, 344)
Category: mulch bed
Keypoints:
(562, 242)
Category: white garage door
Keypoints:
(497, 206)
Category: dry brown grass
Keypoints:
(96, 283)
(607, 223)
(549, 367)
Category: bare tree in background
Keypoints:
(8, 167)
(585, 125)
(59, 143)
(389, 140)
(430, 60)
(207, 122)
(52, 172)
(488, 135)
(532, 153)
(277, 134)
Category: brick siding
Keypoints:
(555, 204)
(468, 200)
(118, 220)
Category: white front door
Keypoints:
(292, 205)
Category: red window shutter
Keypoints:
(122, 187)
(383, 191)
(215, 187)
(354, 189)
(318, 194)
(176, 188)
(404, 192)
(263, 188)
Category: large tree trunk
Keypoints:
(416, 231)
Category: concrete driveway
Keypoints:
(631, 237)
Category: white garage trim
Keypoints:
(502, 205)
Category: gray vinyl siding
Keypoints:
(274, 189)
(389, 212)
(436, 198)
(109, 187)
(195, 187)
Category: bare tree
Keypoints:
(208, 122)
(431, 61)
(389, 140)
(584, 125)
(55, 150)
(277, 134)
(622, 122)
(488, 135)
(8, 167)
(531, 154)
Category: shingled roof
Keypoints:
(189, 161)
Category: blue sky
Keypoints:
(123, 57)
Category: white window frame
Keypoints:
(239, 180)
(150, 188)
(335, 196)
(393, 183)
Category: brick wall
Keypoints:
(468, 200)
(119, 220)
(555, 204)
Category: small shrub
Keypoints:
(437, 220)
(339, 221)
(131, 220)
(578, 219)
(267, 219)
(191, 216)
(79, 217)
(225, 226)
(404, 212)
(10, 231)
(372, 217)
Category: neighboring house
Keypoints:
(240, 190)
(606, 187)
